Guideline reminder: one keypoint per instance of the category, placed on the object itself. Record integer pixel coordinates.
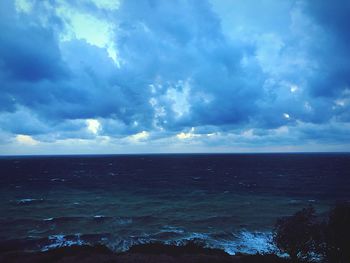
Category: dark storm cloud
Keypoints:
(333, 51)
(30, 54)
(28, 51)
(330, 133)
(186, 42)
(177, 69)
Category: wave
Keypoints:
(168, 233)
(172, 229)
(218, 220)
(64, 219)
(94, 218)
(101, 217)
(27, 201)
(232, 243)
(78, 239)
(249, 243)
(242, 242)
(63, 241)
(124, 220)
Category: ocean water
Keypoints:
(228, 201)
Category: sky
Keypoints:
(154, 76)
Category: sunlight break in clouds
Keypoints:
(93, 125)
(26, 139)
(93, 29)
(139, 136)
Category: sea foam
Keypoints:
(57, 241)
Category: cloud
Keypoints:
(150, 73)
(29, 52)
(332, 50)
(26, 139)
(93, 125)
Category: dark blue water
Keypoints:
(229, 201)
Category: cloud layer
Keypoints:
(174, 76)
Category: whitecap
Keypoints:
(58, 241)
(172, 229)
(28, 200)
(124, 221)
(249, 243)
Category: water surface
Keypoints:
(228, 201)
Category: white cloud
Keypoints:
(340, 102)
(24, 6)
(93, 125)
(294, 88)
(26, 140)
(183, 135)
(139, 136)
(107, 4)
(286, 115)
(180, 98)
(281, 130)
(187, 135)
(307, 106)
(248, 133)
(269, 53)
(94, 30)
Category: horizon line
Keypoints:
(173, 153)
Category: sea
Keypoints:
(226, 201)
